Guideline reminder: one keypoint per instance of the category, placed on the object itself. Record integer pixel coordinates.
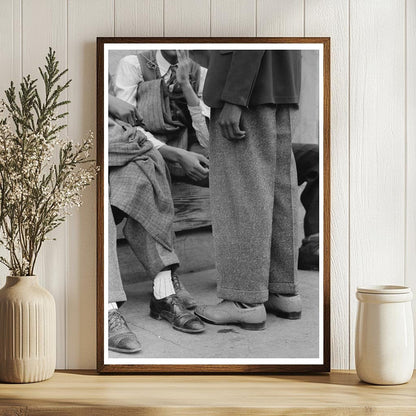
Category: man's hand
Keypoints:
(124, 111)
(184, 67)
(195, 165)
(229, 122)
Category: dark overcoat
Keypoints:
(248, 78)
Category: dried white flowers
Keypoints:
(41, 175)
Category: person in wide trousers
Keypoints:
(253, 185)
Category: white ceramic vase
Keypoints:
(27, 331)
(384, 343)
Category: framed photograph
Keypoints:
(213, 205)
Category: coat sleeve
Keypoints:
(241, 77)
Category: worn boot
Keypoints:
(182, 293)
(120, 338)
(174, 311)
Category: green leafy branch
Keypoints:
(35, 193)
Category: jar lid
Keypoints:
(384, 289)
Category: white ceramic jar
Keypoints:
(384, 343)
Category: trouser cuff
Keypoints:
(283, 288)
(243, 295)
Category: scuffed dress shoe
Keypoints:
(174, 311)
(228, 312)
(284, 306)
(182, 293)
(120, 337)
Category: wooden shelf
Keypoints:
(86, 393)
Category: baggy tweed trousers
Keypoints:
(253, 197)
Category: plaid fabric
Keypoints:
(139, 181)
(155, 106)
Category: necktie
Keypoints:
(172, 79)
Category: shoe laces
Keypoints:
(116, 321)
(176, 282)
(178, 302)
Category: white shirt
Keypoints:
(128, 76)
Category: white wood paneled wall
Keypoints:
(373, 132)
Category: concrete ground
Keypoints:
(281, 338)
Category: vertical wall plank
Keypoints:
(280, 18)
(86, 20)
(411, 150)
(331, 18)
(44, 24)
(10, 44)
(233, 18)
(187, 18)
(377, 140)
(11, 65)
(138, 17)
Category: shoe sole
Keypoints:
(123, 351)
(243, 325)
(160, 317)
(286, 315)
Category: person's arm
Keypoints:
(121, 110)
(195, 165)
(206, 111)
(200, 125)
(236, 94)
(157, 144)
(193, 101)
(241, 77)
(182, 77)
(127, 78)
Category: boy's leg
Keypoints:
(115, 286)
(157, 260)
(151, 254)
(120, 337)
(242, 180)
(284, 250)
(284, 300)
(242, 175)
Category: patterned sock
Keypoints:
(162, 285)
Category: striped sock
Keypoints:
(162, 285)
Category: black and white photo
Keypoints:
(214, 185)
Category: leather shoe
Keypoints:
(182, 293)
(228, 312)
(120, 338)
(284, 306)
(173, 310)
(309, 253)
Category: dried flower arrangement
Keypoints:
(41, 174)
